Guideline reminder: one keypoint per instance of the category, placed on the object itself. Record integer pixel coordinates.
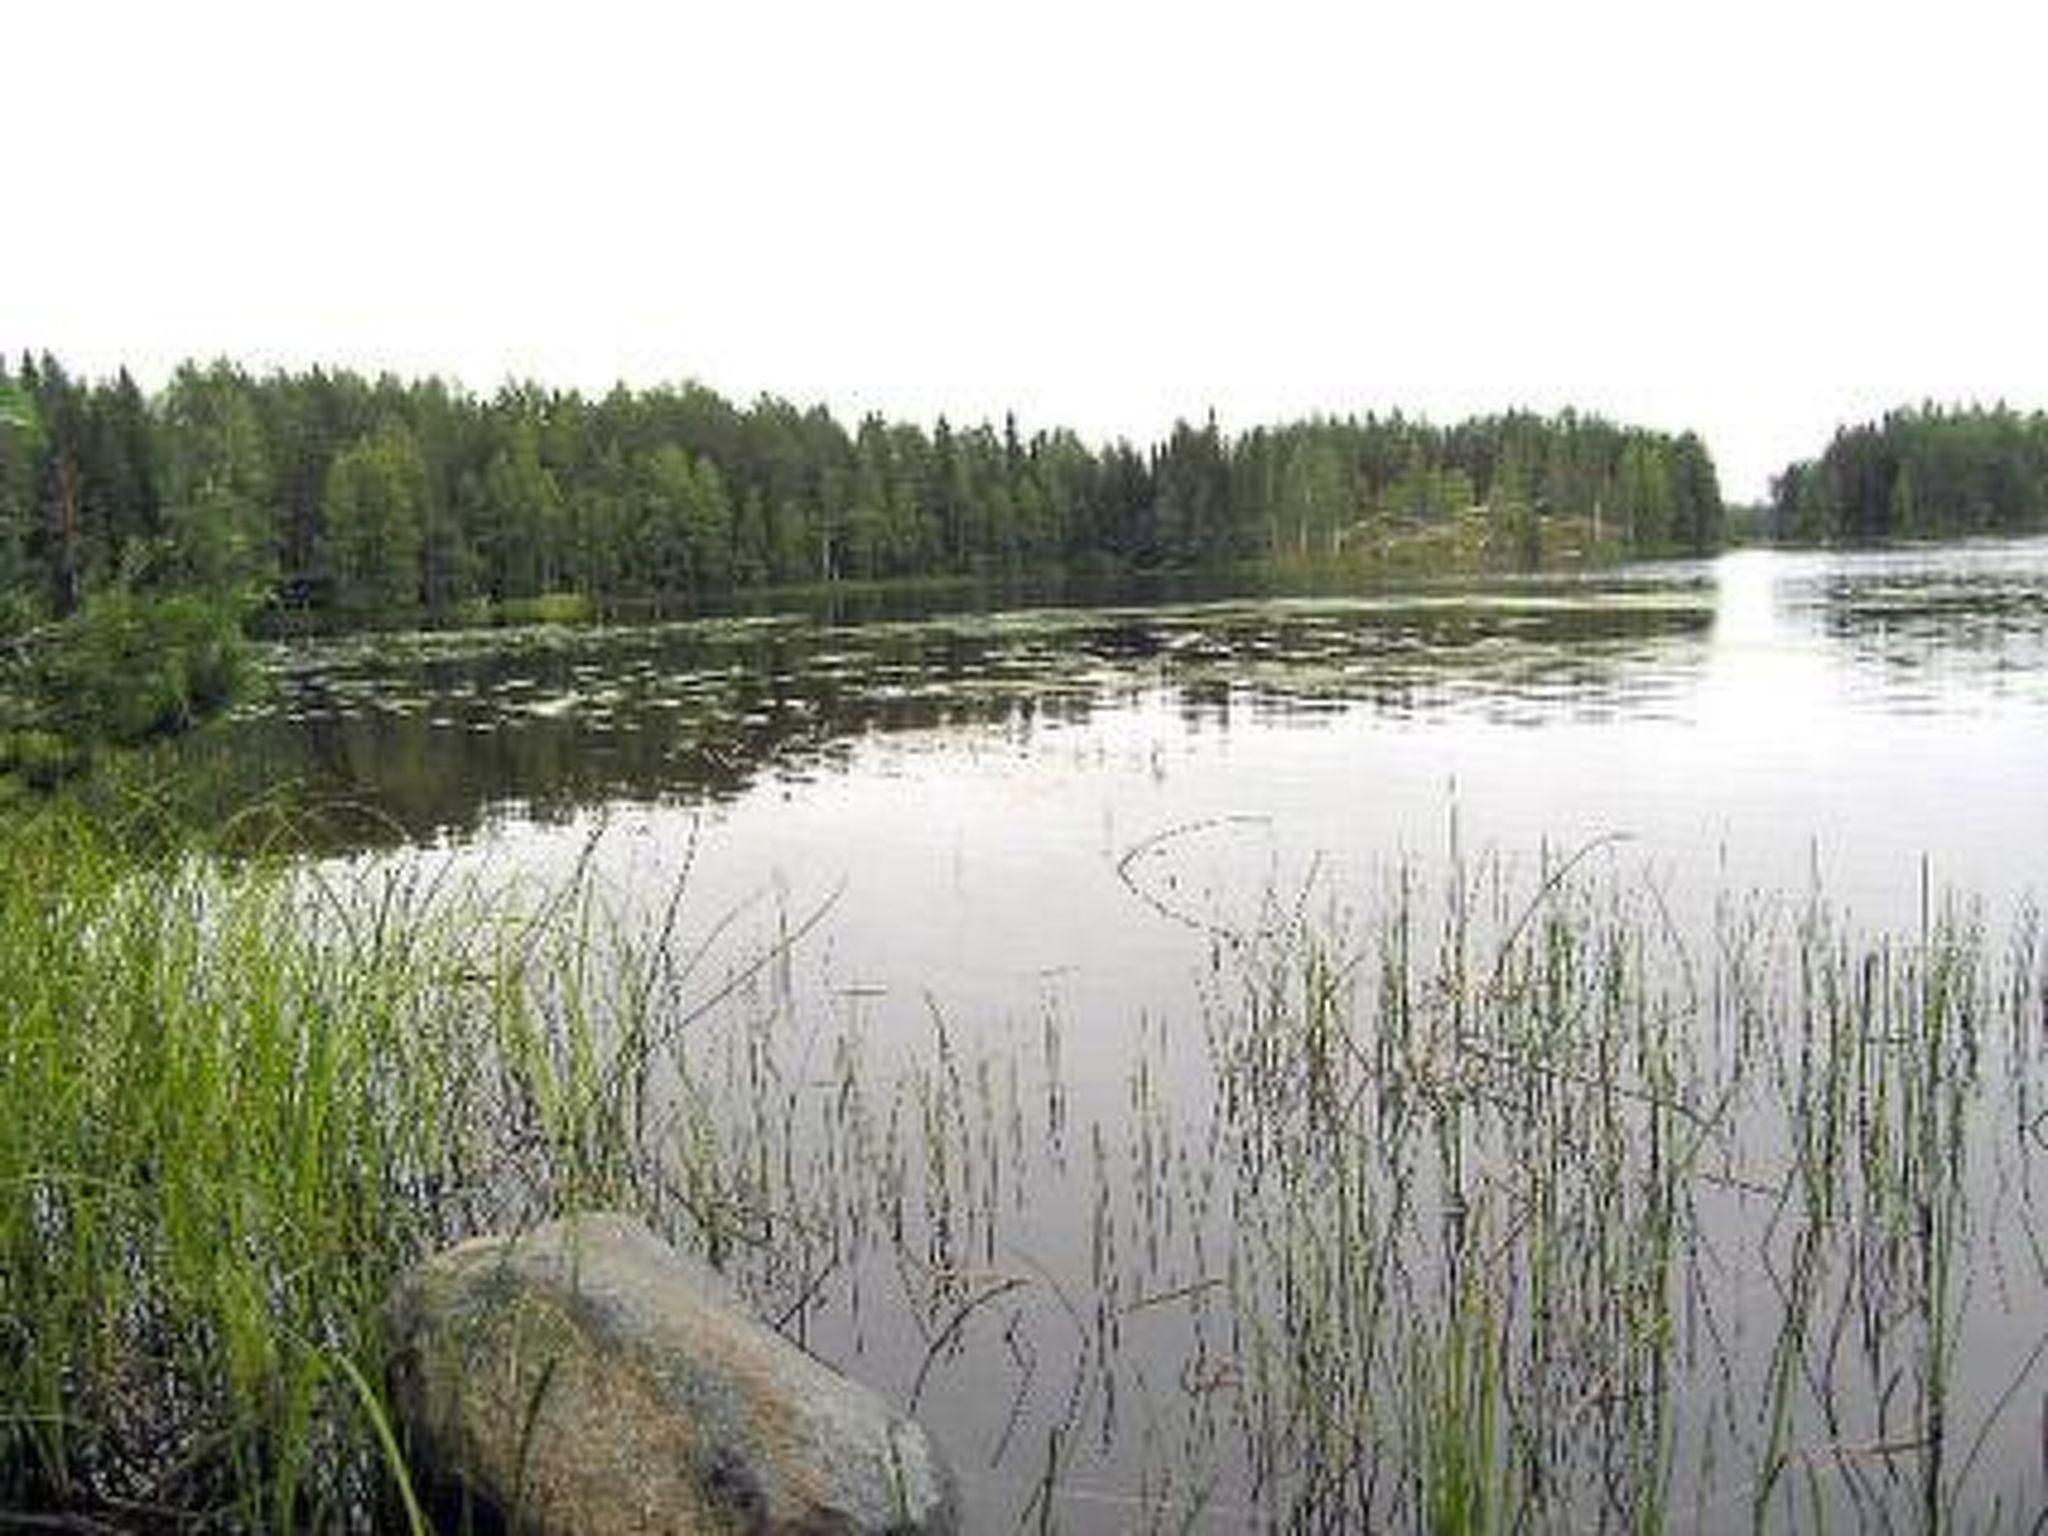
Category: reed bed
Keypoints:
(1502, 1202)
(238, 1101)
(1555, 1216)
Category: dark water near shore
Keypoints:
(1029, 839)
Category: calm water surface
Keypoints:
(966, 787)
(1029, 836)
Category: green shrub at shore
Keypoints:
(126, 669)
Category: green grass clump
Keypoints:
(38, 759)
(234, 1104)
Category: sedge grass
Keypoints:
(1622, 1227)
(237, 1102)
(1505, 1206)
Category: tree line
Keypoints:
(1926, 472)
(351, 495)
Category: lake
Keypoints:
(1074, 972)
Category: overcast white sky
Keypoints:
(1753, 219)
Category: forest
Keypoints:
(1926, 473)
(353, 498)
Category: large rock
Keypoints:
(585, 1377)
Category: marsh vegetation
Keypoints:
(1500, 1204)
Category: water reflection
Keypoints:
(1766, 677)
(1940, 637)
(441, 735)
(1760, 717)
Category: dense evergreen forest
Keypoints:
(1918, 474)
(351, 496)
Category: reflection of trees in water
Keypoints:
(1941, 630)
(1505, 666)
(436, 735)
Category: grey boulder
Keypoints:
(586, 1377)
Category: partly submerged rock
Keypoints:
(586, 1377)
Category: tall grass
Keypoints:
(1566, 1218)
(1505, 1204)
(234, 1103)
